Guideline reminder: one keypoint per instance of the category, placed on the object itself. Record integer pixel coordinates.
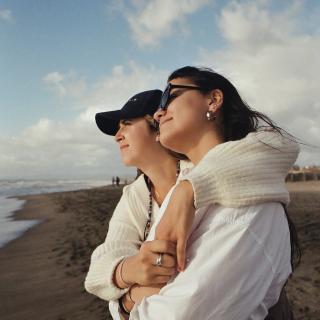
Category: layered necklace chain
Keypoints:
(150, 186)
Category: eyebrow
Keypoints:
(174, 90)
(123, 120)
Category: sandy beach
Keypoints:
(42, 272)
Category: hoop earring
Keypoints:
(211, 116)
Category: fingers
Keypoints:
(167, 260)
(162, 246)
(162, 279)
(162, 271)
(181, 254)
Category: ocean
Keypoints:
(9, 189)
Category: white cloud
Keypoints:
(49, 149)
(65, 83)
(110, 90)
(54, 80)
(6, 15)
(152, 21)
(124, 82)
(76, 148)
(275, 65)
(277, 72)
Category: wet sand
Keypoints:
(42, 272)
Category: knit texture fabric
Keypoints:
(124, 238)
(244, 172)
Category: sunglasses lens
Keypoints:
(164, 98)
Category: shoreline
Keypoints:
(9, 227)
(23, 215)
(12, 216)
(46, 266)
(48, 263)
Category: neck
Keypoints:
(162, 174)
(200, 148)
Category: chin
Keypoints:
(171, 142)
(127, 161)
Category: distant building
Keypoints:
(306, 173)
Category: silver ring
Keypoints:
(159, 260)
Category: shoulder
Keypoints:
(137, 186)
(281, 141)
(137, 192)
(261, 144)
(185, 166)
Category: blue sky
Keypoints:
(62, 61)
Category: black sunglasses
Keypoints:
(165, 99)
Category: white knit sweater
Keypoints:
(233, 174)
(244, 172)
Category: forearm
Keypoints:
(123, 240)
(124, 277)
(244, 172)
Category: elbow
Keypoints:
(92, 287)
(103, 292)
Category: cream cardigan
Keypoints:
(233, 174)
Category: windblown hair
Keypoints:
(237, 119)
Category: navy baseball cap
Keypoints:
(141, 104)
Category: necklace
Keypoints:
(149, 185)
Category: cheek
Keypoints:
(140, 141)
(173, 132)
(177, 133)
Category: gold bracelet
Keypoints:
(120, 273)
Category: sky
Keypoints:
(63, 61)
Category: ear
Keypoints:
(215, 100)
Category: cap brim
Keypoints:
(108, 122)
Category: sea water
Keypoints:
(9, 189)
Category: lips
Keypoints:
(124, 146)
(164, 121)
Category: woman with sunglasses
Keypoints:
(239, 251)
(104, 276)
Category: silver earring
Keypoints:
(210, 116)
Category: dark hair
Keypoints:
(237, 120)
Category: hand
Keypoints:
(142, 268)
(176, 223)
(137, 293)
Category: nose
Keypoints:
(119, 136)
(158, 114)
